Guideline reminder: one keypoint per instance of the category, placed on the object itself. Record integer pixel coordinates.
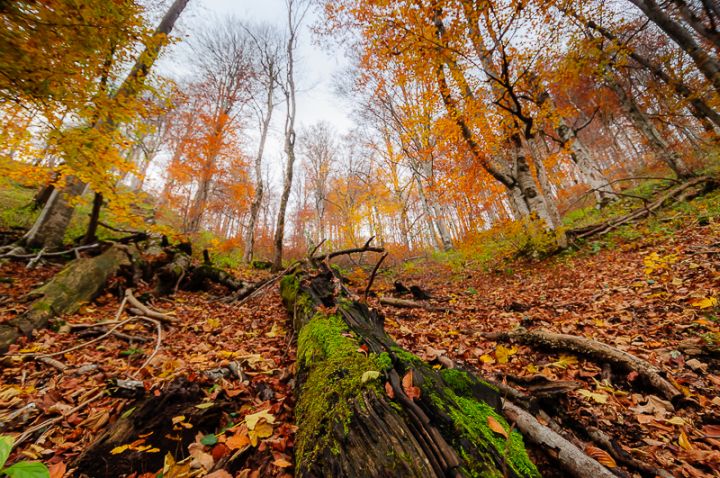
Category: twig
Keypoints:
(36, 259)
(28, 433)
(158, 328)
(372, 276)
(316, 248)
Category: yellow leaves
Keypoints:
(259, 426)
(369, 375)
(595, 397)
(684, 441)
(564, 361)
(655, 263)
(503, 354)
(705, 303)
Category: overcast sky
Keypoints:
(315, 67)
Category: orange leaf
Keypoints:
(407, 383)
(282, 463)
(601, 456)
(389, 390)
(238, 441)
(57, 470)
(497, 427)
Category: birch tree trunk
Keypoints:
(294, 21)
(585, 164)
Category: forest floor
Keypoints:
(651, 290)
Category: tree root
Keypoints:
(592, 348)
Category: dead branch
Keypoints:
(354, 250)
(411, 304)
(145, 311)
(372, 276)
(591, 348)
(623, 457)
(571, 458)
(158, 342)
(679, 193)
(36, 257)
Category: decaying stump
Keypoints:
(368, 408)
(150, 421)
(79, 282)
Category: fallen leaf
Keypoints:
(57, 470)
(369, 375)
(503, 354)
(596, 397)
(683, 441)
(407, 384)
(238, 441)
(252, 419)
(601, 456)
(219, 474)
(389, 390)
(705, 303)
(282, 463)
(496, 426)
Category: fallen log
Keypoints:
(366, 407)
(681, 192)
(169, 275)
(592, 348)
(411, 304)
(79, 282)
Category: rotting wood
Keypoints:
(368, 408)
(78, 283)
(592, 348)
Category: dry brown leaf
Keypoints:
(389, 390)
(57, 470)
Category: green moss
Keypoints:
(460, 382)
(383, 361)
(328, 353)
(470, 419)
(406, 356)
(289, 287)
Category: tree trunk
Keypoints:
(643, 124)
(258, 197)
(709, 34)
(699, 108)
(49, 228)
(79, 282)
(584, 162)
(368, 408)
(707, 64)
(91, 233)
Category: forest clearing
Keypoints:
(360, 238)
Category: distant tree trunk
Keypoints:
(584, 162)
(49, 228)
(91, 233)
(707, 65)
(699, 108)
(289, 87)
(197, 209)
(643, 124)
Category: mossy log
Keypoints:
(368, 408)
(169, 275)
(79, 282)
(202, 275)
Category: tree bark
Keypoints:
(91, 233)
(420, 423)
(584, 162)
(645, 127)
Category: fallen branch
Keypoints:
(624, 458)
(42, 254)
(571, 458)
(411, 304)
(145, 311)
(679, 192)
(591, 348)
(158, 342)
(345, 252)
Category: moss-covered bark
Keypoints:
(348, 423)
(79, 282)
